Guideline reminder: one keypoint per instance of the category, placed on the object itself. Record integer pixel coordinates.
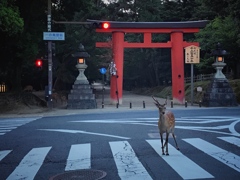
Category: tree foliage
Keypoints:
(10, 21)
(22, 24)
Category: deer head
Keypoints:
(161, 107)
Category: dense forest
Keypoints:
(22, 23)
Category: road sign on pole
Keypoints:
(192, 54)
(53, 36)
(103, 70)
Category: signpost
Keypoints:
(49, 29)
(192, 56)
(51, 36)
(54, 36)
(103, 71)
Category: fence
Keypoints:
(202, 77)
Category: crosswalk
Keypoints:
(8, 124)
(128, 164)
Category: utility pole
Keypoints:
(49, 29)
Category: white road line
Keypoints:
(7, 125)
(79, 157)
(12, 127)
(6, 130)
(228, 158)
(30, 164)
(232, 128)
(128, 165)
(232, 140)
(83, 132)
(205, 130)
(184, 166)
(4, 153)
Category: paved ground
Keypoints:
(130, 102)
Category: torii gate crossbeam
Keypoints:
(177, 45)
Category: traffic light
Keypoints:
(39, 63)
(101, 25)
(105, 25)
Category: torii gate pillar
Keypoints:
(176, 29)
(117, 80)
(178, 90)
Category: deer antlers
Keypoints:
(158, 102)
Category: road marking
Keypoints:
(128, 165)
(30, 164)
(4, 153)
(83, 132)
(205, 129)
(205, 119)
(7, 125)
(196, 120)
(228, 158)
(79, 157)
(184, 166)
(232, 128)
(109, 121)
(232, 140)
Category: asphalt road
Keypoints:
(123, 144)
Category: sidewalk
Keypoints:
(130, 102)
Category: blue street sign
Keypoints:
(54, 36)
(103, 70)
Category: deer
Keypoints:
(166, 124)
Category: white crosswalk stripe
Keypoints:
(31, 163)
(4, 153)
(7, 125)
(79, 157)
(129, 167)
(232, 140)
(228, 158)
(128, 164)
(188, 169)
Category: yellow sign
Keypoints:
(192, 54)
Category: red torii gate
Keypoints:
(176, 30)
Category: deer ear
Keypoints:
(156, 104)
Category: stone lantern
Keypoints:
(219, 93)
(81, 95)
(219, 64)
(81, 65)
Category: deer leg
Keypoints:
(175, 141)
(166, 143)
(162, 144)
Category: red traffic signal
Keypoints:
(39, 63)
(101, 25)
(105, 25)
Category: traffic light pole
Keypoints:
(49, 28)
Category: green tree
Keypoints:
(225, 28)
(11, 26)
(10, 21)
(225, 32)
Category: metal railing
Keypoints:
(202, 77)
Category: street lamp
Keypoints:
(81, 65)
(81, 96)
(219, 64)
(81, 61)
